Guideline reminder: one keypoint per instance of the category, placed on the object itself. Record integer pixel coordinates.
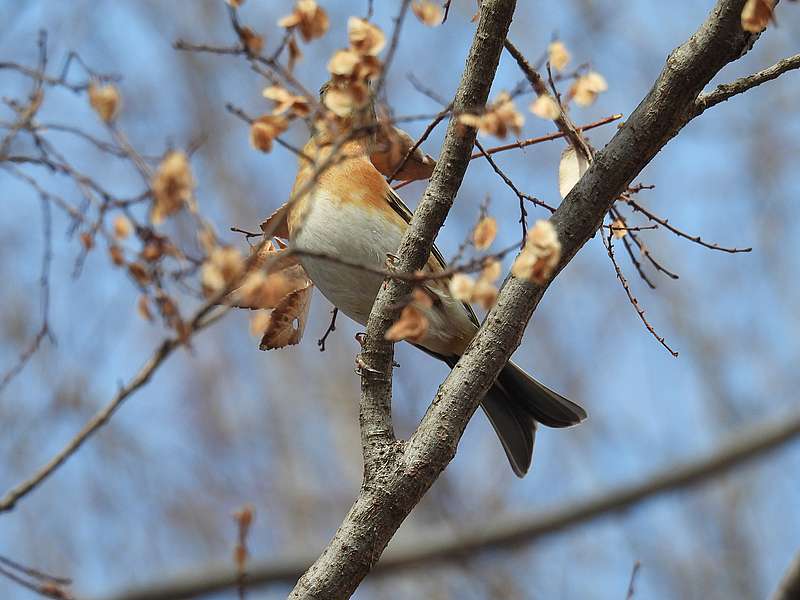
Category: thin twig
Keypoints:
(523, 214)
(9, 500)
(693, 238)
(530, 142)
(33, 573)
(726, 91)
(546, 138)
(331, 328)
(563, 122)
(393, 44)
(608, 243)
(44, 301)
(634, 572)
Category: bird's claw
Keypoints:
(362, 367)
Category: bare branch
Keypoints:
(693, 238)
(726, 91)
(546, 138)
(361, 538)
(9, 500)
(331, 328)
(563, 122)
(519, 144)
(758, 441)
(789, 587)
(633, 300)
(396, 475)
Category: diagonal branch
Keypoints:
(167, 347)
(659, 117)
(757, 441)
(397, 475)
(389, 490)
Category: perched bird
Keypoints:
(351, 212)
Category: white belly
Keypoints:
(363, 237)
(351, 232)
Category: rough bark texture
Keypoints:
(397, 475)
(390, 489)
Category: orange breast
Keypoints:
(350, 179)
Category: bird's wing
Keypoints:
(436, 261)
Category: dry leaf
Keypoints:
(153, 249)
(105, 101)
(87, 241)
(546, 107)
(139, 273)
(277, 281)
(310, 19)
(173, 185)
(275, 225)
(485, 294)
(295, 54)
(757, 14)
(365, 38)
(117, 255)
(266, 290)
(265, 129)
(428, 12)
(285, 101)
(412, 325)
(221, 269)
(342, 100)
(558, 55)
(344, 63)
(586, 88)
(492, 270)
(484, 233)
(540, 255)
(499, 117)
(235, 3)
(259, 323)
(167, 307)
(288, 321)
(143, 308)
(253, 42)
(122, 227)
(618, 229)
(570, 169)
(461, 287)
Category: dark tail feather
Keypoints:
(515, 428)
(539, 401)
(514, 404)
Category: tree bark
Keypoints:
(391, 489)
(397, 475)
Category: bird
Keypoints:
(351, 212)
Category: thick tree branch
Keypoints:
(789, 587)
(390, 491)
(659, 117)
(396, 477)
(444, 547)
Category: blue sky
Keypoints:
(226, 424)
